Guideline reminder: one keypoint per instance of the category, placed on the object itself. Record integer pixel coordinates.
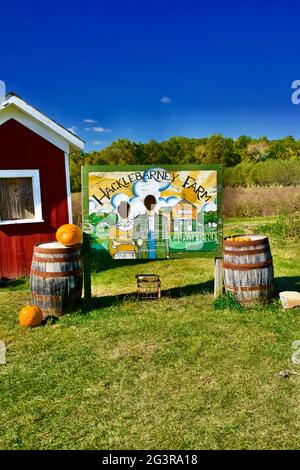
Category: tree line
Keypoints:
(243, 152)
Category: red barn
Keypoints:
(35, 196)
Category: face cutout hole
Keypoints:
(150, 202)
(124, 209)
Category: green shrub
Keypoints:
(267, 173)
(286, 226)
(227, 301)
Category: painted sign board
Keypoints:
(147, 212)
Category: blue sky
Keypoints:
(222, 66)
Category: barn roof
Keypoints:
(185, 201)
(12, 100)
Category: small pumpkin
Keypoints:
(69, 234)
(31, 315)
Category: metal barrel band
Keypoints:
(56, 251)
(45, 275)
(248, 289)
(55, 297)
(242, 267)
(72, 295)
(56, 260)
(245, 252)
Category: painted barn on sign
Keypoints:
(184, 215)
(35, 196)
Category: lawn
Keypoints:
(168, 374)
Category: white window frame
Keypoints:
(36, 190)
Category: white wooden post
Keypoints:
(218, 277)
(2, 353)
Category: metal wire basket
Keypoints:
(148, 286)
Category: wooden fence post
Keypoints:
(218, 277)
(87, 283)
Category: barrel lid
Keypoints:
(52, 245)
(254, 240)
(55, 247)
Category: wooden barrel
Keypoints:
(56, 277)
(248, 269)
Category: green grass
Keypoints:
(171, 374)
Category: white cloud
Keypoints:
(209, 206)
(100, 129)
(165, 99)
(99, 142)
(87, 129)
(72, 129)
(90, 121)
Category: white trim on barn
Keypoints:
(13, 113)
(69, 196)
(16, 108)
(36, 189)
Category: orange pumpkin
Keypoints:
(31, 315)
(69, 234)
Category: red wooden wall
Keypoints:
(21, 148)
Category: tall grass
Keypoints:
(261, 201)
(77, 209)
